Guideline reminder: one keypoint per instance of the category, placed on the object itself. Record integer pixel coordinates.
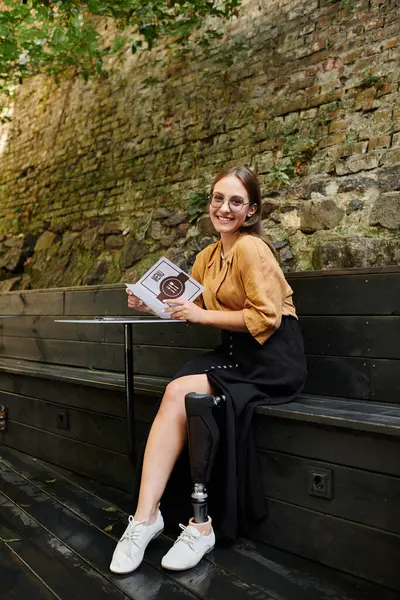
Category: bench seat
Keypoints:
(336, 412)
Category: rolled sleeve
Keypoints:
(264, 286)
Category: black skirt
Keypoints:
(248, 375)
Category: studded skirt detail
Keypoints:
(248, 375)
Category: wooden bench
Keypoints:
(330, 460)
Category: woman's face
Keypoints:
(224, 217)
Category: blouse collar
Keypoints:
(218, 250)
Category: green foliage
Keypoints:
(57, 37)
(295, 153)
(371, 80)
(197, 203)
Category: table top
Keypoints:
(122, 320)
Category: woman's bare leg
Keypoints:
(165, 443)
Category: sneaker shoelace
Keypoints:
(187, 537)
(133, 530)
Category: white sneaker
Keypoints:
(189, 549)
(129, 551)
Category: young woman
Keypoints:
(260, 361)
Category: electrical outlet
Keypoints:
(62, 420)
(320, 482)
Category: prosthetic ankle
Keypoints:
(203, 437)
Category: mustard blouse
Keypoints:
(248, 279)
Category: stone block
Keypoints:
(355, 164)
(268, 206)
(161, 213)
(175, 220)
(315, 216)
(114, 242)
(389, 178)
(391, 158)
(386, 211)
(45, 241)
(382, 141)
(356, 252)
(338, 126)
(354, 205)
(110, 228)
(156, 230)
(132, 252)
(204, 226)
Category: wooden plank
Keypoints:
(37, 302)
(109, 467)
(338, 376)
(362, 551)
(83, 354)
(349, 294)
(105, 431)
(294, 577)
(360, 496)
(92, 544)
(377, 337)
(339, 413)
(264, 567)
(385, 381)
(51, 560)
(41, 327)
(63, 393)
(94, 513)
(368, 451)
(18, 581)
(101, 301)
(335, 272)
(79, 377)
(149, 360)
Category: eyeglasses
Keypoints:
(235, 203)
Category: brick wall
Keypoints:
(307, 92)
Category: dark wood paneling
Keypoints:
(339, 413)
(363, 551)
(377, 337)
(75, 395)
(52, 560)
(91, 543)
(346, 377)
(385, 380)
(285, 575)
(40, 327)
(338, 376)
(81, 354)
(368, 451)
(359, 496)
(104, 465)
(101, 301)
(349, 294)
(149, 360)
(17, 580)
(93, 513)
(107, 432)
(40, 302)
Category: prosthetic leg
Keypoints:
(203, 437)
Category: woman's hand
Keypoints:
(185, 311)
(136, 303)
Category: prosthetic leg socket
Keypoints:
(203, 437)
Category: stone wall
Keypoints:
(96, 178)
